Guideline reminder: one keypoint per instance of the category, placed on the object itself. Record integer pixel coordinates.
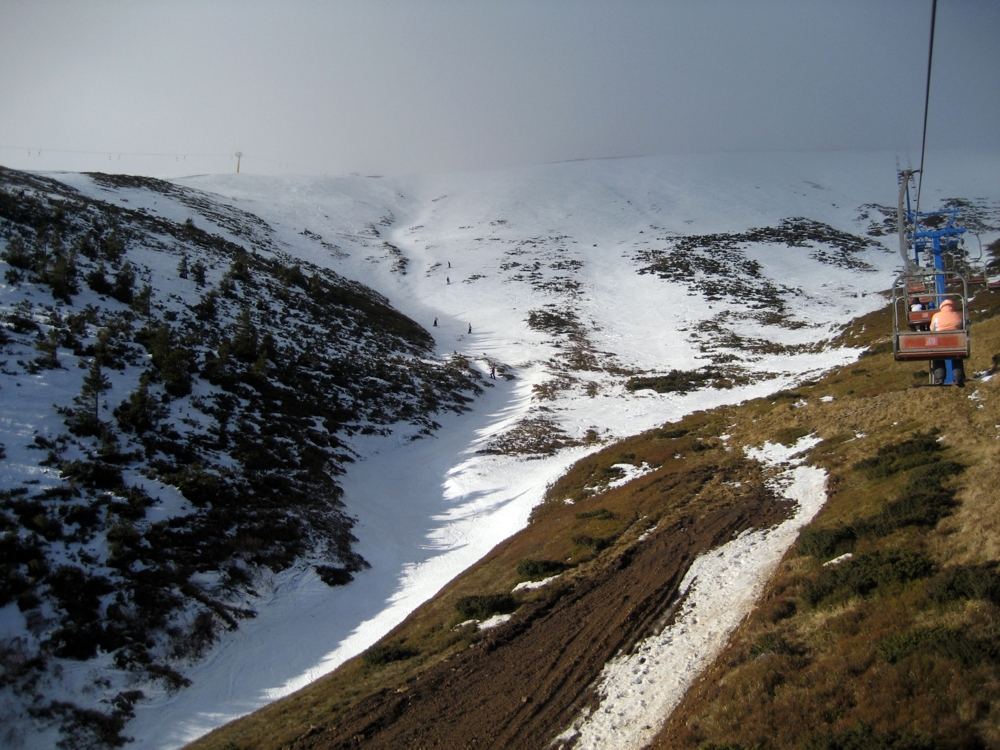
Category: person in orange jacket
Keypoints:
(948, 319)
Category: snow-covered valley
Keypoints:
(577, 284)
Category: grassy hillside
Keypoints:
(898, 646)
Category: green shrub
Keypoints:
(595, 543)
(967, 582)
(78, 593)
(864, 737)
(97, 280)
(920, 449)
(826, 543)
(94, 474)
(536, 570)
(333, 576)
(866, 573)
(173, 679)
(789, 436)
(675, 381)
(946, 643)
(771, 643)
(89, 727)
(379, 656)
(484, 606)
(601, 514)
(124, 286)
(672, 434)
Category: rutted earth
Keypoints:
(527, 680)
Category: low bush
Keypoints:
(942, 642)
(772, 643)
(967, 582)
(89, 727)
(601, 514)
(923, 501)
(536, 570)
(864, 737)
(866, 573)
(672, 434)
(595, 543)
(675, 381)
(484, 606)
(920, 449)
(333, 576)
(826, 543)
(379, 656)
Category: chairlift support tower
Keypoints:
(920, 234)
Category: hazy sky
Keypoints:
(172, 87)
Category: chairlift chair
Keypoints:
(912, 338)
(977, 266)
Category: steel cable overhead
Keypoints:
(927, 102)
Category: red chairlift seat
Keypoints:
(917, 345)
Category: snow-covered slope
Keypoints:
(580, 283)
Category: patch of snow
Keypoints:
(639, 690)
(646, 534)
(529, 585)
(838, 560)
(493, 622)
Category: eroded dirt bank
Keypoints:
(525, 682)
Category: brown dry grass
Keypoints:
(833, 677)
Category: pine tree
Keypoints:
(94, 384)
(48, 345)
(142, 303)
(141, 410)
(245, 342)
(198, 269)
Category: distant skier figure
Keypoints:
(493, 371)
(449, 264)
(470, 327)
(435, 322)
(448, 279)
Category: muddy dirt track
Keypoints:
(524, 683)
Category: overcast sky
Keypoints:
(169, 87)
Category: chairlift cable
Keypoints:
(927, 102)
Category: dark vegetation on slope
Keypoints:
(246, 370)
(710, 259)
(897, 647)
